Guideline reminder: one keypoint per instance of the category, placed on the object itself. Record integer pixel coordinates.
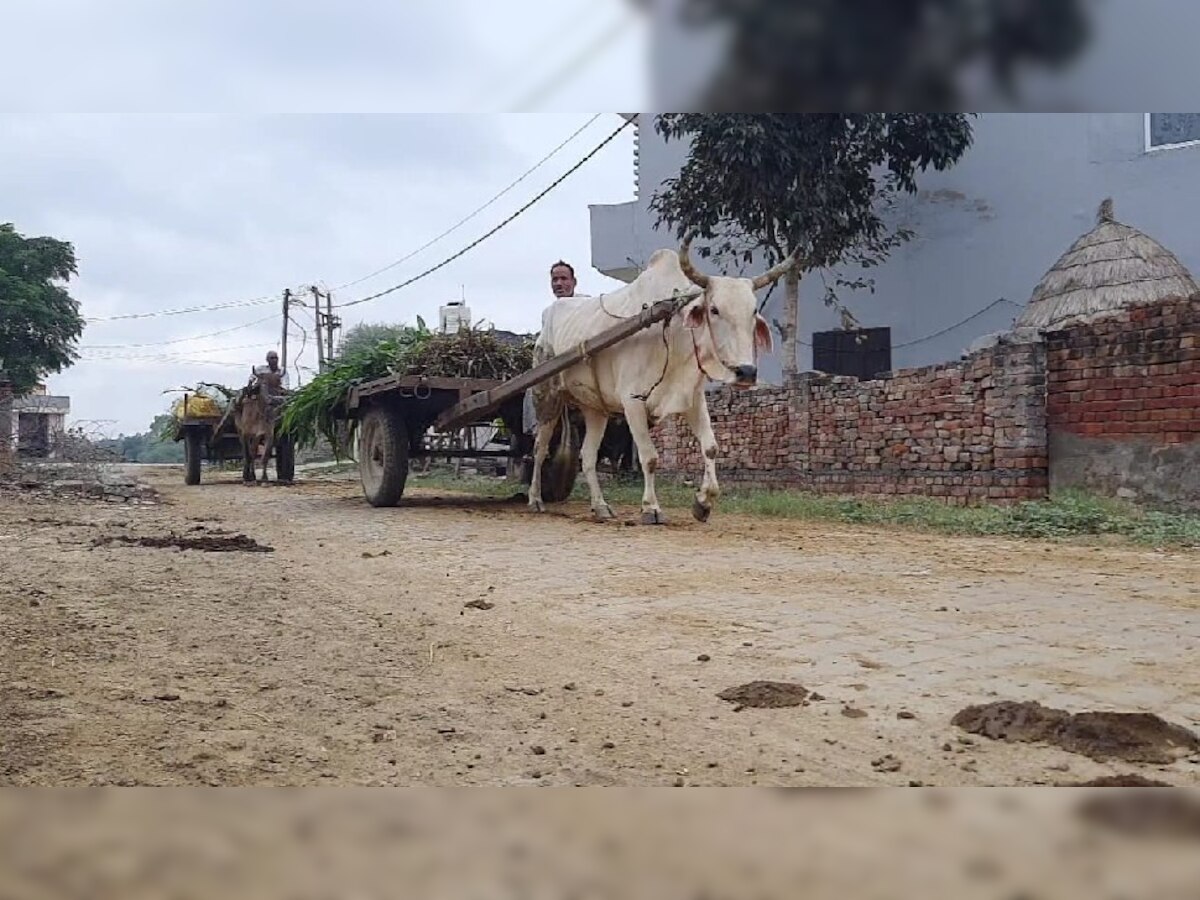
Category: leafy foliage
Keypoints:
(881, 54)
(812, 186)
(152, 446)
(805, 184)
(367, 335)
(469, 353)
(314, 410)
(39, 320)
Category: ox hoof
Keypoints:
(700, 512)
(603, 512)
(537, 506)
(653, 517)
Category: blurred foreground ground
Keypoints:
(347, 653)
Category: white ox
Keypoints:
(654, 373)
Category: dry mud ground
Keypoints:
(347, 655)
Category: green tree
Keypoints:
(882, 54)
(366, 336)
(39, 320)
(147, 446)
(809, 186)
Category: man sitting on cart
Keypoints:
(276, 378)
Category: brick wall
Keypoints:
(963, 432)
(1134, 374)
(1123, 404)
(1111, 406)
(6, 448)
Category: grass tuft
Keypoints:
(1068, 515)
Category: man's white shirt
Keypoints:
(262, 370)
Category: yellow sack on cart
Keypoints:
(198, 407)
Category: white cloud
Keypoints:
(205, 193)
(174, 211)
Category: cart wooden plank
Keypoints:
(216, 432)
(487, 401)
(417, 383)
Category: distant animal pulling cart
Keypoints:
(394, 413)
(208, 432)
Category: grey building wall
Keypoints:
(986, 230)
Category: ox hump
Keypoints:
(663, 258)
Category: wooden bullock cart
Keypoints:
(395, 412)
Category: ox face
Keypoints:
(727, 318)
(728, 332)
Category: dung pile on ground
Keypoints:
(1127, 780)
(237, 543)
(1133, 737)
(1158, 814)
(768, 695)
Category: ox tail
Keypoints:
(564, 458)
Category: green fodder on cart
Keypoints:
(318, 409)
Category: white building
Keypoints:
(38, 421)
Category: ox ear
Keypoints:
(763, 339)
(695, 315)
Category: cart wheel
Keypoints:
(285, 460)
(192, 450)
(557, 482)
(383, 456)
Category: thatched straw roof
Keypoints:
(1110, 268)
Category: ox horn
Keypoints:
(773, 274)
(685, 263)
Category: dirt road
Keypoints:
(346, 653)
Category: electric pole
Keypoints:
(330, 323)
(317, 316)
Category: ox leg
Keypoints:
(548, 406)
(541, 449)
(268, 446)
(596, 423)
(639, 427)
(701, 425)
(248, 461)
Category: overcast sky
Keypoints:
(211, 171)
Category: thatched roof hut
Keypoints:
(1110, 268)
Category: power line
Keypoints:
(568, 24)
(947, 329)
(184, 340)
(259, 301)
(300, 352)
(173, 361)
(476, 212)
(488, 234)
(232, 304)
(573, 66)
(132, 357)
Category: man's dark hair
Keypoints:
(570, 268)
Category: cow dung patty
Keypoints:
(1133, 737)
(766, 694)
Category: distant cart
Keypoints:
(395, 412)
(208, 432)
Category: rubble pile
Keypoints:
(87, 483)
